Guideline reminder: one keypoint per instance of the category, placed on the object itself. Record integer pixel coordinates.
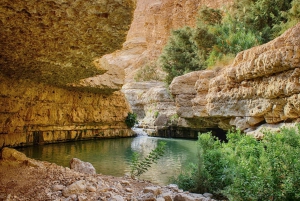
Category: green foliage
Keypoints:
(220, 33)
(292, 16)
(180, 55)
(131, 119)
(261, 16)
(231, 38)
(209, 16)
(147, 73)
(185, 180)
(156, 113)
(248, 169)
(139, 166)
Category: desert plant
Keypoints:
(180, 55)
(156, 113)
(292, 16)
(139, 166)
(261, 16)
(249, 169)
(131, 119)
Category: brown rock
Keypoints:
(36, 113)
(83, 167)
(56, 41)
(261, 85)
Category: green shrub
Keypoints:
(248, 169)
(292, 16)
(180, 55)
(261, 15)
(139, 166)
(131, 119)
(220, 33)
(185, 180)
(156, 113)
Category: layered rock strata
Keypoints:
(260, 86)
(152, 102)
(32, 113)
(151, 28)
(54, 86)
(148, 34)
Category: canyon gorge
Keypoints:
(61, 80)
(260, 87)
(69, 71)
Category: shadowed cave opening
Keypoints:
(190, 133)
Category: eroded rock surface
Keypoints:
(262, 85)
(32, 113)
(151, 28)
(151, 101)
(57, 41)
(54, 86)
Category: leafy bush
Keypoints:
(261, 15)
(131, 119)
(220, 33)
(185, 180)
(139, 166)
(248, 169)
(292, 16)
(180, 55)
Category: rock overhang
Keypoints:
(58, 42)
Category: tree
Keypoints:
(261, 15)
(180, 55)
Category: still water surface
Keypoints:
(113, 156)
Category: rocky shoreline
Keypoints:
(23, 178)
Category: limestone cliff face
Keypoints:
(53, 84)
(150, 30)
(151, 101)
(32, 113)
(260, 86)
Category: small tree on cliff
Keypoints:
(180, 55)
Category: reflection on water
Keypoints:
(112, 156)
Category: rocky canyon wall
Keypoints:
(34, 113)
(149, 32)
(54, 85)
(261, 86)
(151, 28)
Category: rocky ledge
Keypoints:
(260, 86)
(23, 178)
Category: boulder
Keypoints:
(77, 187)
(83, 167)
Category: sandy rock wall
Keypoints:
(151, 101)
(149, 32)
(57, 41)
(152, 23)
(33, 113)
(261, 86)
